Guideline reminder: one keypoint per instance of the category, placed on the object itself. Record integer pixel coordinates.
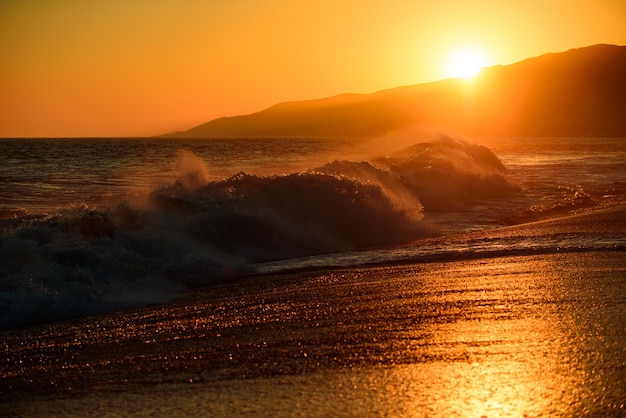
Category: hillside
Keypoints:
(575, 93)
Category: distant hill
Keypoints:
(581, 92)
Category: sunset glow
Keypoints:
(466, 63)
(146, 68)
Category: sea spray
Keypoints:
(191, 170)
(442, 175)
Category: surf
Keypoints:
(195, 230)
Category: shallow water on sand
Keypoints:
(506, 336)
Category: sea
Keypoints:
(96, 225)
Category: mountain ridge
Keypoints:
(578, 92)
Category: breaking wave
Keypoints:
(83, 260)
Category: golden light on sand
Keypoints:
(466, 62)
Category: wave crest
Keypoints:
(82, 260)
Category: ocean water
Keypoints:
(97, 225)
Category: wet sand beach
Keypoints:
(539, 331)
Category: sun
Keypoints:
(465, 63)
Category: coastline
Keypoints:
(534, 332)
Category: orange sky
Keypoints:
(147, 67)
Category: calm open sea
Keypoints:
(95, 225)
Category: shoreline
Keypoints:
(527, 328)
(536, 239)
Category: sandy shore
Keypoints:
(534, 333)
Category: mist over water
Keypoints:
(98, 225)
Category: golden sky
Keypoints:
(147, 67)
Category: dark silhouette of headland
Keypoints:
(580, 92)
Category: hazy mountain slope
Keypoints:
(580, 92)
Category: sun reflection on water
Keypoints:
(533, 343)
(490, 382)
